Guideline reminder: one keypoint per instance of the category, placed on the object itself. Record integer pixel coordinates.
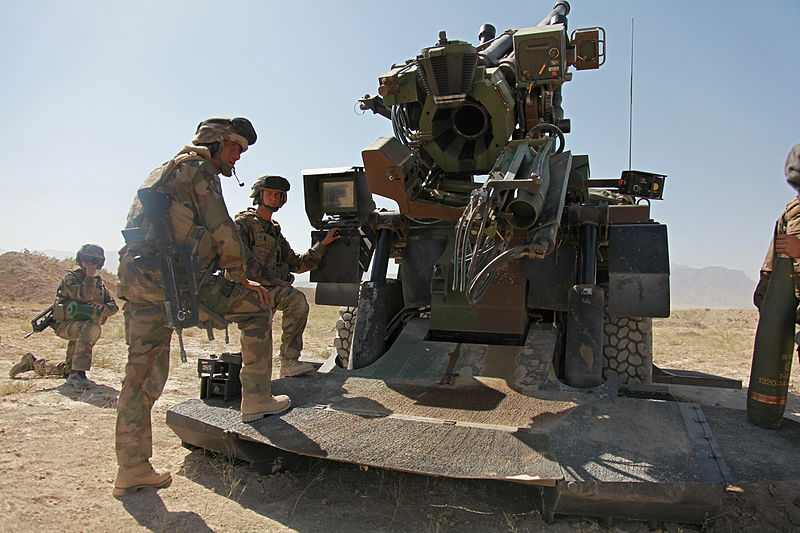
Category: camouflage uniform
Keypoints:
(198, 218)
(787, 224)
(81, 334)
(271, 264)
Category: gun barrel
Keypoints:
(558, 14)
(498, 49)
(486, 33)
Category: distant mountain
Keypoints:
(713, 287)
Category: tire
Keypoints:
(344, 332)
(628, 349)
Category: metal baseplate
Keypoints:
(593, 453)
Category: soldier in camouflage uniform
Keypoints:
(199, 219)
(83, 285)
(272, 262)
(786, 239)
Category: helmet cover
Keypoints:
(91, 253)
(792, 168)
(238, 130)
(272, 183)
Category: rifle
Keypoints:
(176, 261)
(42, 321)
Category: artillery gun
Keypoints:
(492, 260)
(514, 343)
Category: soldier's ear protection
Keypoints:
(213, 148)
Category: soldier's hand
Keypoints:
(788, 245)
(333, 234)
(96, 305)
(263, 295)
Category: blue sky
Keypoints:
(95, 94)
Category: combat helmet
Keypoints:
(91, 253)
(272, 183)
(792, 168)
(214, 131)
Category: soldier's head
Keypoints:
(90, 253)
(226, 138)
(270, 191)
(792, 168)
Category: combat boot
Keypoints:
(272, 405)
(78, 381)
(141, 476)
(293, 367)
(25, 364)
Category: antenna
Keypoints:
(630, 108)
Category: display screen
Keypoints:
(338, 196)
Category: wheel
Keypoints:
(344, 332)
(628, 349)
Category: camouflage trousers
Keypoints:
(82, 336)
(293, 306)
(147, 369)
(44, 368)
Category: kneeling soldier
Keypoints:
(82, 305)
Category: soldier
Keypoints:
(787, 236)
(82, 285)
(199, 219)
(272, 262)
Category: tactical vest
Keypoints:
(61, 301)
(789, 223)
(156, 181)
(266, 247)
(144, 279)
(790, 216)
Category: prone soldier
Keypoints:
(272, 262)
(82, 305)
(197, 220)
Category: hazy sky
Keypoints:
(95, 94)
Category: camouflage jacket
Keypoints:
(788, 224)
(271, 258)
(198, 218)
(77, 286)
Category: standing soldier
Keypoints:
(80, 325)
(197, 218)
(787, 235)
(776, 297)
(272, 262)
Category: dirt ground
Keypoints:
(57, 453)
